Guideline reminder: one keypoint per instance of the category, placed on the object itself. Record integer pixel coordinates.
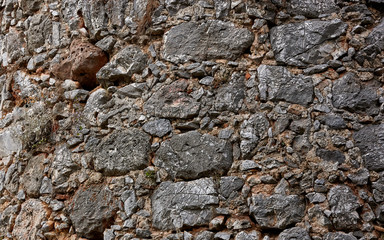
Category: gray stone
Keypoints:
(204, 41)
(222, 236)
(108, 234)
(277, 83)
(76, 95)
(2, 178)
(184, 204)
(253, 235)
(316, 69)
(379, 212)
(343, 205)
(28, 221)
(11, 47)
(230, 97)
(294, 233)
(31, 6)
(206, 80)
(229, 185)
(192, 155)
(123, 65)
(173, 6)
(349, 94)
(330, 156)
(32, 176)
(133, 90)
(276, 211)
(12, 179)
(106, 44)
(360, 177)
(312, 8)
(172, 101)
(264, 9)
(91, 211)
(248, 165)
(305, 43)
(158, 128)
(122, 151)
(333, 121)
(252, 131)
(94, 105)
(205, 235)
(39, 31)
(376, 36)
(56, 205)
(130, 202)
(9, 143)
(222, 8)
(370, 141)
(339, 236)
(316, 197)
(63, 166)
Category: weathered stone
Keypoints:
(229, 185)
(276, 211)
(264, 9)
(106, 44)
(205, 235)
(349, 94)
(32, 177)
(312, 8)
(133, 90)
(39, 31)
(376, 36)
(343, 205)
(370, 142)
(28, 222)
(330, 156)
(294, 233)
(192, 155)
(252, 131)
(11, 47)
(46, 186)
(91, 210)
(360, 177)
(333, 121)
(230, 97)
(158, 128)
(130, 202)
(9, 143)
(173, 6)
(253, 235)
(122, 151)
(31, 6)
(184, 204)
(63, 166)
(94, 105)
(222, 8)
(316, 197)
(172, 101)
(204, 41)
(123, 65)
(277, 83)
(339, 236)
(305, 43)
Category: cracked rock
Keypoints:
(294, 233)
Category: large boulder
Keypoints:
(184, 204)
(91, 211)
(122, 151)
(278, 84)
(343, 205)
(304, 43)
(172, 101)
(370, 141)
(192, 155)
(194, 41)
(276, 211)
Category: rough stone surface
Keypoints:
(91, 211)
(158, 128)
(276, 211)
(204, 41)
(172, 101)
(252, 131)
(277, 83)
(369, 140)
(230, 98)
(180, 204)
(305, 43)
(312, 8)
(339, 236)
(192, 155)
(294, 233)
(122, 152)
(32, 177)
(9, 144)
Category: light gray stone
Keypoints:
(158, 128)
(32, 176)
(9, 143)
(312, 8)
(339, 236)
(230, 97)
(294, 233)
(252, 131)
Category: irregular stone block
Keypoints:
(63, 165)
(349, 94)
(312, 8)
(158, 128)
(184, 204)
(330, 156)
(92, 210)
(123, 65)
(28, 222)
(339, 236)
(277, 83)
(277, 211)
(252, 131)
(230, 97)
(172, 101)
(122, 151)
(39, 31)
(32, 176)
(204, 41)
(192, 155)
(305, 43)
(370, 141)
(9, 143)
(343, 205)
(294, 233)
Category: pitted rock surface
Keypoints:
(192, 155)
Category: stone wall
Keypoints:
(187, 119)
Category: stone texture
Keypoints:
(91, 210)
(28, 221)
(39, 31)
(204, 41)
(294, 233)
(369, 140)
(339, 236)
(349, 94)
(230, 97)
(62, 167)
(192, 155)
(184, 204)
(305, 43)
(343, 204)
(158, 128)
(122, 151)
(312, 8)
(276, 211)
(9, 144)
(172, 101)
(32, 176)
(123, 65)
(230, 185)
(277, 83)
(330, 156)
(252, 131)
